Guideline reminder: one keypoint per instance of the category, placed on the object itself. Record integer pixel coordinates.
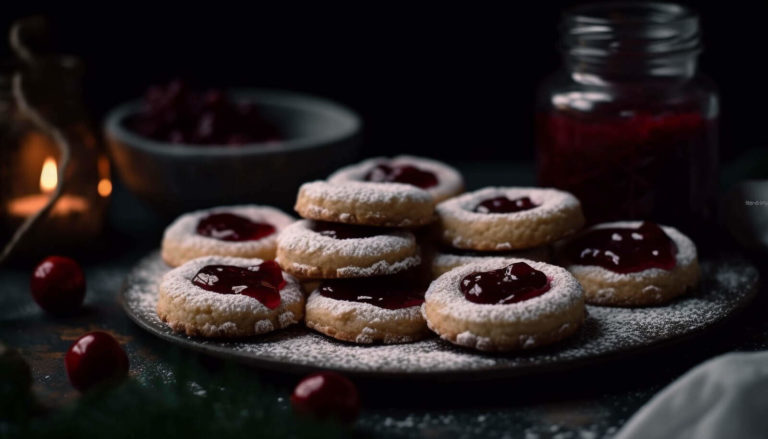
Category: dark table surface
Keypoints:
(589, 402)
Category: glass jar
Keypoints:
(628, 125)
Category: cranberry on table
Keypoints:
(95, 358)
(58, 285)
(326, 395)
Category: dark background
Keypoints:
(455, 82)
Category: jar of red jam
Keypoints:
(628, 125)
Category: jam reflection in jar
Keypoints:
(628, 125)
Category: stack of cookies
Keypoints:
(503, 222)
(356, 239)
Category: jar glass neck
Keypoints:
(630, 41)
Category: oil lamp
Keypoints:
(48, 154)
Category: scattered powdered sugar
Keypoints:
(183, 231)
(564, 293)
(449, 180)
(364, 192)
(548, 202)
(727, 284)
(300, 237)
(686, 255)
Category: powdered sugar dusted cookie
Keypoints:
(505, 304)
(217, 296)
(508, 218)
(374, 204)
(437, 178)
(247, 231)
(367, 310)
(446, 259)
(631, 263)
(316, 249)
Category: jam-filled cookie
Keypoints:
(367, 310)
(373, 204)
(512, 218)
(631, 263)
(505, 304)
(437, 178)
(317, 249)
(446, 259)
(217, 296)
(239, 231)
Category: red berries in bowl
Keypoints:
(95, 358)
(58, 285)
(326, 395)
(177, 114)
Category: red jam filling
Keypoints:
(231, 227)
(630, 164)
(384, 293)
(514, 283)
(345, 231)
(409, 174)
(503, 204)
(625, 250)
(262, 282)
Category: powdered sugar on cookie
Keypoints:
(181, 242)
(564, 292)
(187, 307)
(686, 255)
(548, 202)
(449, 181)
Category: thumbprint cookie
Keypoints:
(368, 310)
(372, 204)
(446, 259)
(239, 231)
(316, 249)
(631, 263)
(504, 304)
(512, 218)
(437, 178)
(216, 296)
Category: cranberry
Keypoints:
(504, 205)
(385, 293)
(95, 358)
(262, 282)
(624, 250)
(346, 231)
(231, 227)
(58, 285)
(514, 283)
(177, 114)
(391, 173)
(326, 395)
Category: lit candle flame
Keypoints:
(49, 176)
(104, 187)
(105, 184)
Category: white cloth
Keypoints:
(725, 397)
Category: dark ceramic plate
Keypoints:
(727, 285)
